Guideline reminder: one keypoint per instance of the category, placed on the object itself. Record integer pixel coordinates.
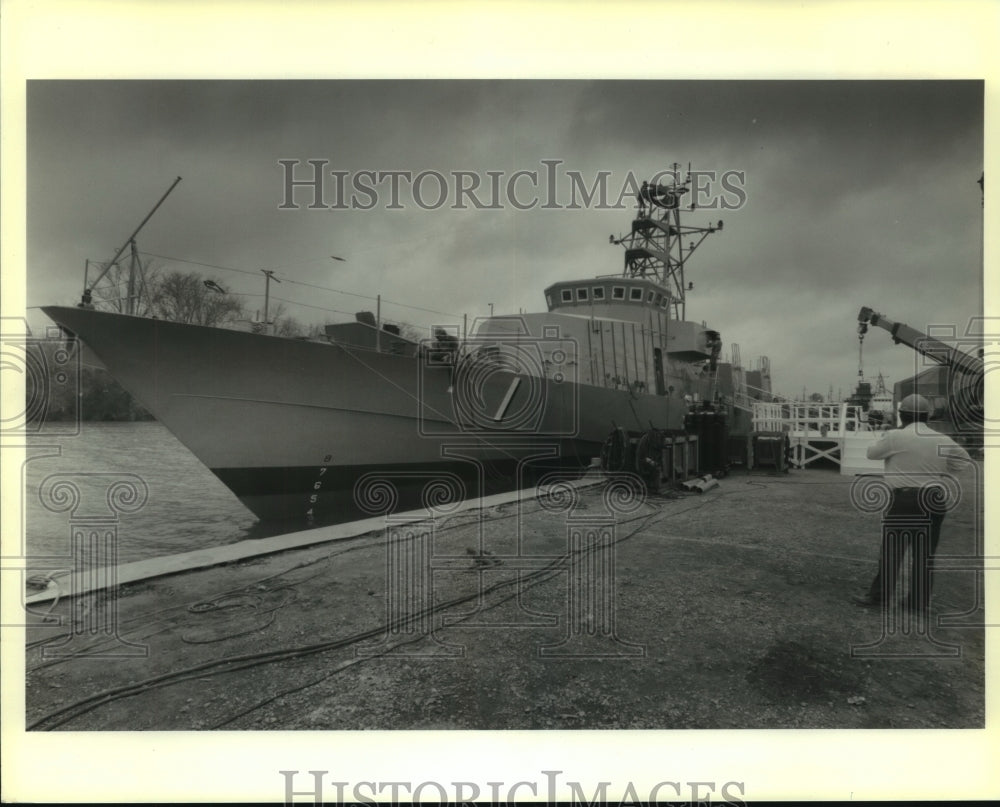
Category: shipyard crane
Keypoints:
(965, 382)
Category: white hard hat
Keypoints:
(915, 404)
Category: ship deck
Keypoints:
(729, 609)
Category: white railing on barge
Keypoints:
(838, 432)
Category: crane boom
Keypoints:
(89, 288)
(922, 343)
(965, 371)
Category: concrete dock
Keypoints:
(588, 608)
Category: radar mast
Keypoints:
(659, 246)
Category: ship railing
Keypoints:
(809, 418)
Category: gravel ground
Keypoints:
(728, 609)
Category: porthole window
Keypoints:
(598, 292)
(618, 293)
(581, 294)
(635, 295)
(567, 295)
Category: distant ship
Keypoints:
(874, 405)
(881, 400)
(310, 431)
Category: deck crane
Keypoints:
(965, 377)
(88, 287)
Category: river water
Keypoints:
(186, 507)
(66, 484)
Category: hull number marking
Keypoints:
(502, 410)
(310, 517)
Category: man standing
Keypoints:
(914, 462)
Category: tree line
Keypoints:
(189, 298)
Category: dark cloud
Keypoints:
(857, 193)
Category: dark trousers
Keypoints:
(907, 524)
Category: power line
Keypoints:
(199, 263)
(369, 297)
(337, 311)
(317, 307)
(303, 283)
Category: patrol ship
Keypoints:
(365, 422)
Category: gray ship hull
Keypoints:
(312, 433)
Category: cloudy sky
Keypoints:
(857, 193)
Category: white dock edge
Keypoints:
(88, 581)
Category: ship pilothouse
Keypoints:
(637, 336)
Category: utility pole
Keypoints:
(269, 276)
(135, 265)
